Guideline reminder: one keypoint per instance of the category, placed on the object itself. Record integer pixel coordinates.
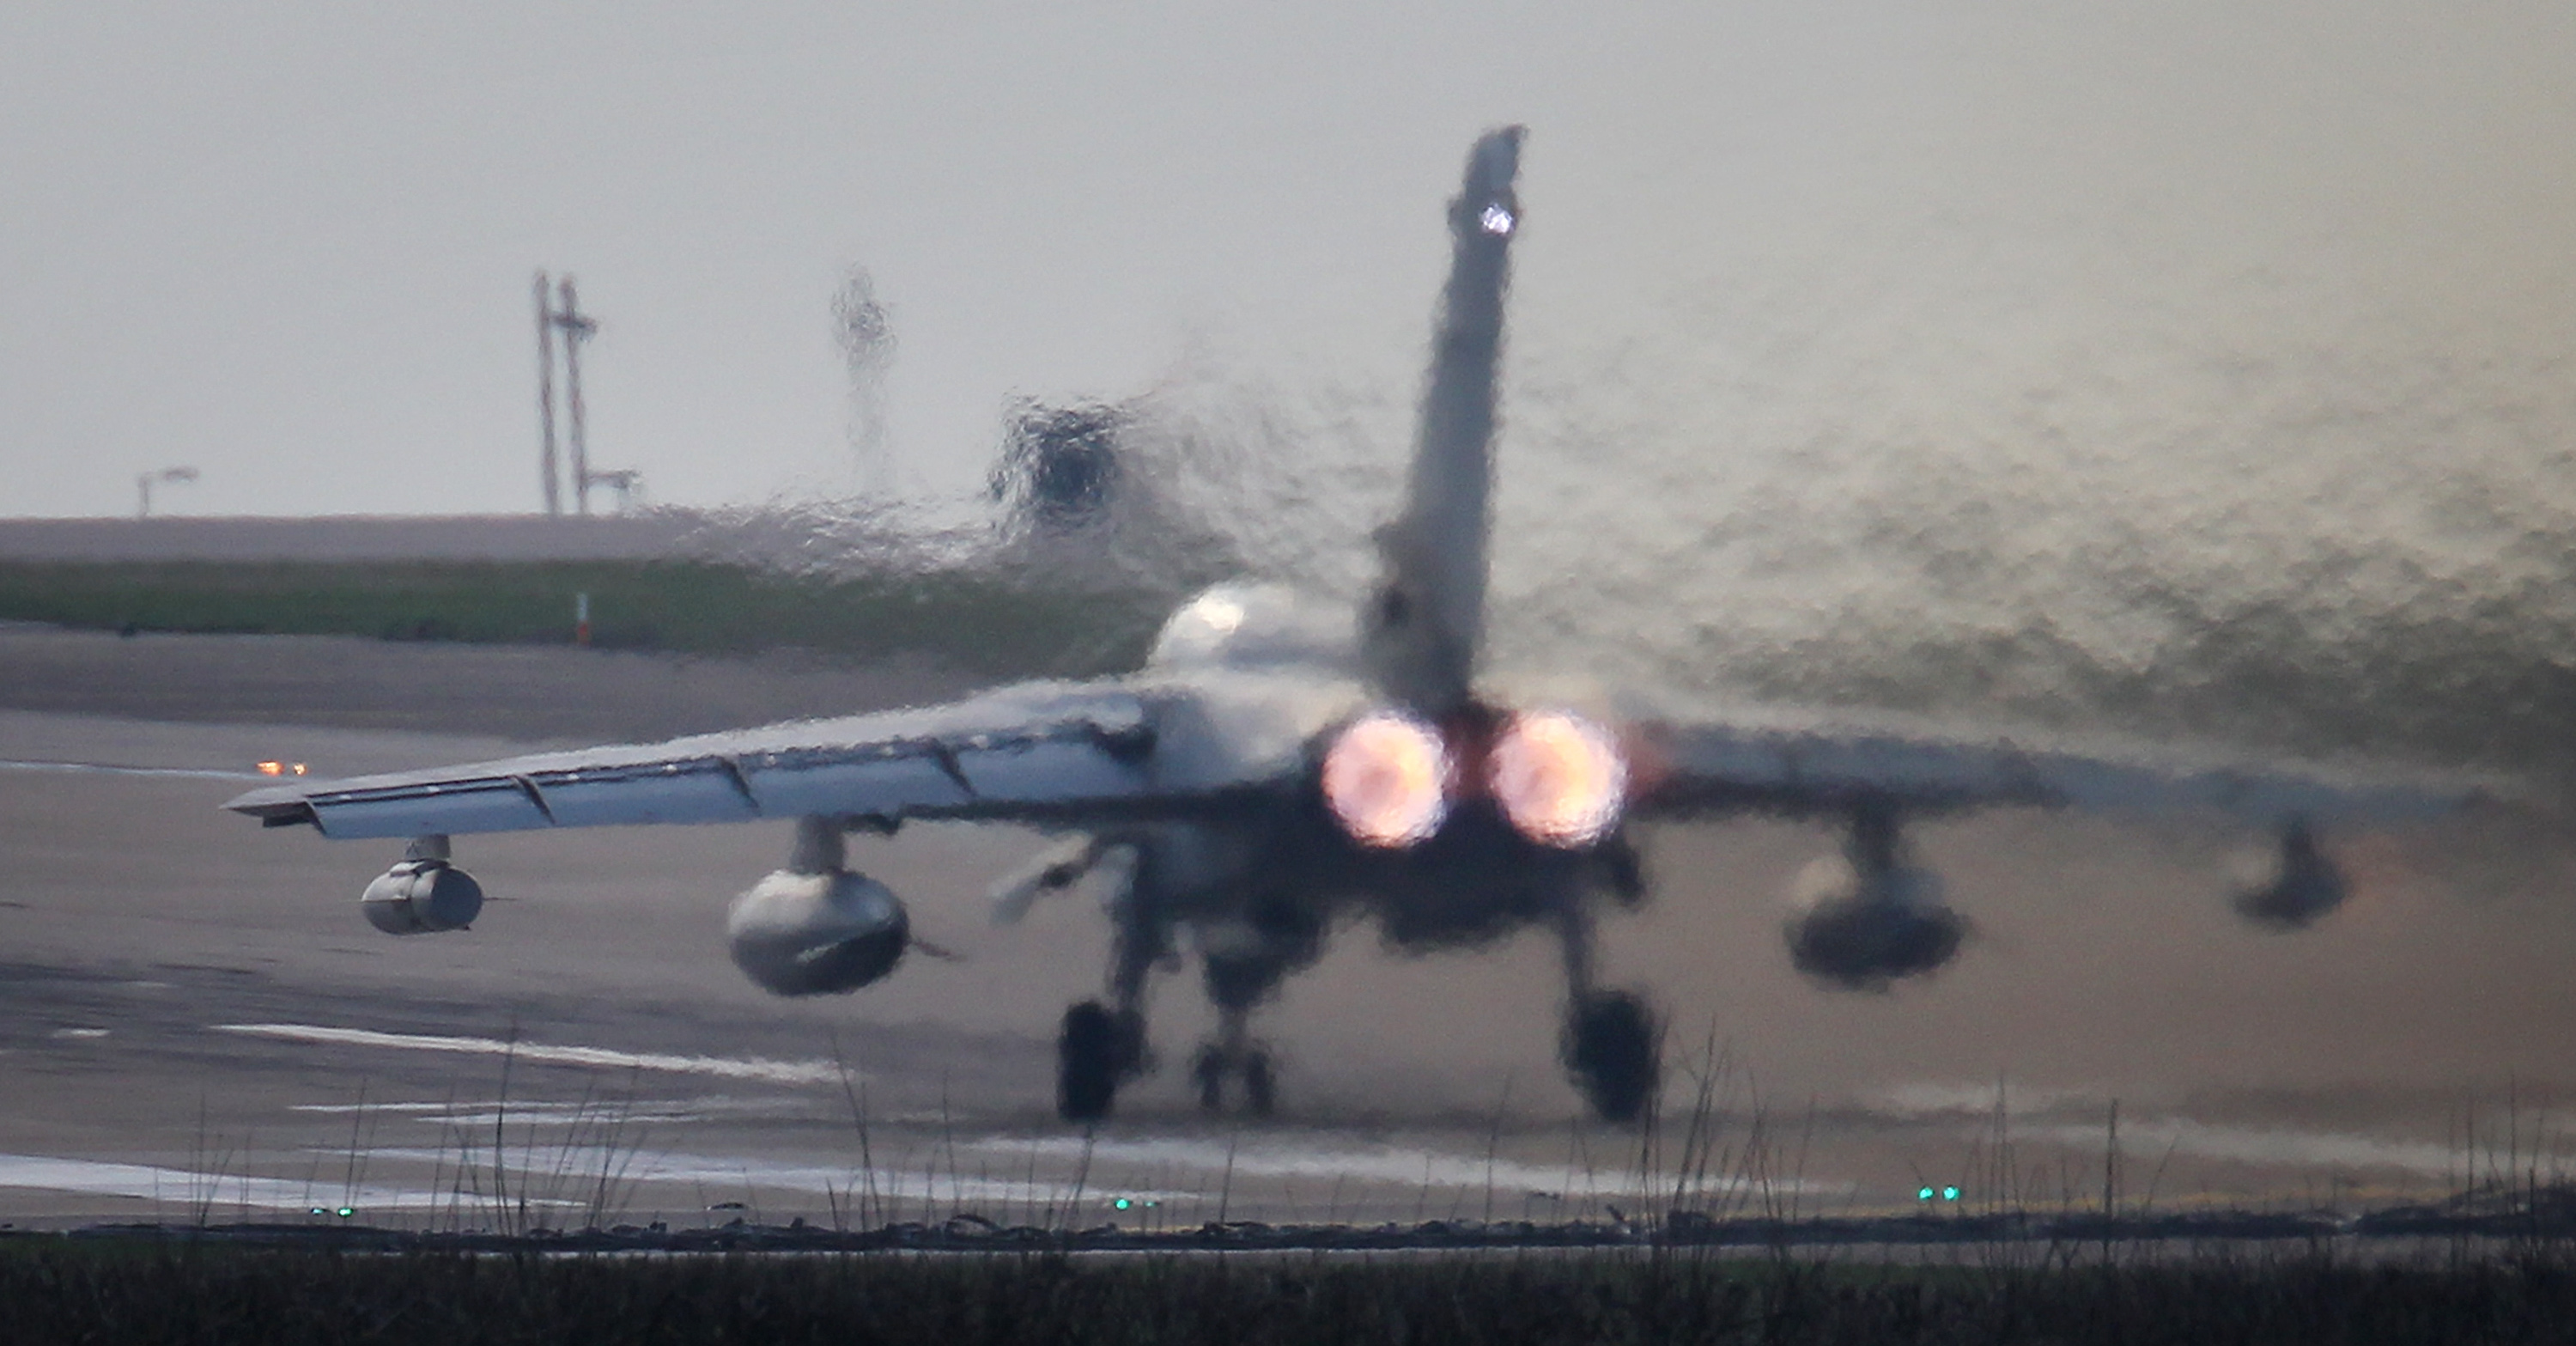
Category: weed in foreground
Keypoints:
(62, 1291)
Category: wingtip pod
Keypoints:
(274, 806)
(265, 800)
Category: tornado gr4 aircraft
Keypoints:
(1279, 766)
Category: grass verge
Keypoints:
(970, 620)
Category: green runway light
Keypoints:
(1949, 1193)
(1923, 1195)
(347, 1211)
(1122, 1203)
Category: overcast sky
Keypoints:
(291, 244)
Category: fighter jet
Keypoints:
(1281, 766)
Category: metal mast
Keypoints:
(576, 329)
(546, 396)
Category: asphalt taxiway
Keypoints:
(194, 1019)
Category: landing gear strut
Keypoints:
(1103, 1046)
(1612, 1045)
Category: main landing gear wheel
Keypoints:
(1611, 1046)
(1096, 1050)
(1260, 1086)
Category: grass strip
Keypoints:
(970, 620)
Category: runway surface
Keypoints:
(196, 1023)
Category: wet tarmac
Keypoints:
(195, 1023)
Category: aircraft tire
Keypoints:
(1610, 1048)
(1091, 1054)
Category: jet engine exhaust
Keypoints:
(1387, 778)
(1559, 778)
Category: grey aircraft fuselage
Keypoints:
(1280, 767)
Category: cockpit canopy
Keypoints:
(1249, 625)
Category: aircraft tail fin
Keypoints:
(1424, 624)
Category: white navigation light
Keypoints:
(1560, 778)
(1386, 779)
(1497, 220)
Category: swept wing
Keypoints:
(1808, 762)
(1040, 752)
(1020, 752)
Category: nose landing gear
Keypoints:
(1216, 1061)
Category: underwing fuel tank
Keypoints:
(1863, 933)
(817, 934)
(2302, 887)
(421, 897)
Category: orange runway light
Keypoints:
(272, 768)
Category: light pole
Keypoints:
(546, 394)
(143, 487)
(561, 314)
(577, 328)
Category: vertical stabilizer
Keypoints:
(1425, 622)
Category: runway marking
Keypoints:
(1978, 1100)
(723, 1067)
(145, 1182)
(717, 1175)
(608, 1112)
(2263, 1145)
(2038, 1114)
(109, 769)
(1383, 1164)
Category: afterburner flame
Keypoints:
(1386, 779)
(1560, 778)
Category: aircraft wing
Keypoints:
(1820, 763)
(1029, 751)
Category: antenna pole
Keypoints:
(546, 397)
